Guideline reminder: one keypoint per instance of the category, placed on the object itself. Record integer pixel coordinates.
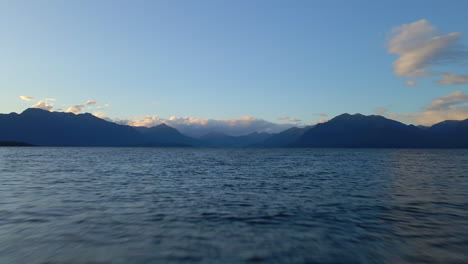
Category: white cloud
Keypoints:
(91, 102)
(76, 109)
(43, 105)
(452, 106)
(450, 78)
(283, 118)
(419, 46)
(412, 83)
(50, 99)
(294, 120)
(26, 98)
(200, 126)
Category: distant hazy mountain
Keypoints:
(226, 141)
(283, 139)
(44, 128)
(165, 135)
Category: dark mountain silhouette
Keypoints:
(360, 131)
(44, 128)
(450, 134)
(14, 144)
(222, 140)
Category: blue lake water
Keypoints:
(185, 205)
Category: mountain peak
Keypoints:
(34, 111)
(162, 125)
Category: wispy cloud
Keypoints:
(50, 99)
(447, 101)
(322, 120)
(412, 83)
(420, 46)
(289, 119)
(450, 78)
(76, 109)
(79, 108)
(26, 98)
(43, 105)
(452, 106)
(380, 110)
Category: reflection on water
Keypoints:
(124, 205)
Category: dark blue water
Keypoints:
(125, 205)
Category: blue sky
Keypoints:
(226, 59)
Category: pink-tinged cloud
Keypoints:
(451, 106)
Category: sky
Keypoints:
(236, 66)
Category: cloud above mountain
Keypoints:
(197, 127)
(79, 108)
(452, 106)
(43, 105)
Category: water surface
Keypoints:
(185, 205)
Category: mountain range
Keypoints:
(44, 128)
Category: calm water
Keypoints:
(125, 205)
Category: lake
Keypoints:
(189, 205)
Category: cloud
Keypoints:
(450, 78)
(447, 101)
(323, 114)
(100, 114)
(26, 98)
(91, 102)
(380, 110)
(290, 119)
(43, 105)
(197, 127)
(76, 109)
(452, 106)
(50, 99)
(420, 46)
(412, 83)
(322, 120)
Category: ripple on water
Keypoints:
(124, 205)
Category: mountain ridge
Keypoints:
(43, 128)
